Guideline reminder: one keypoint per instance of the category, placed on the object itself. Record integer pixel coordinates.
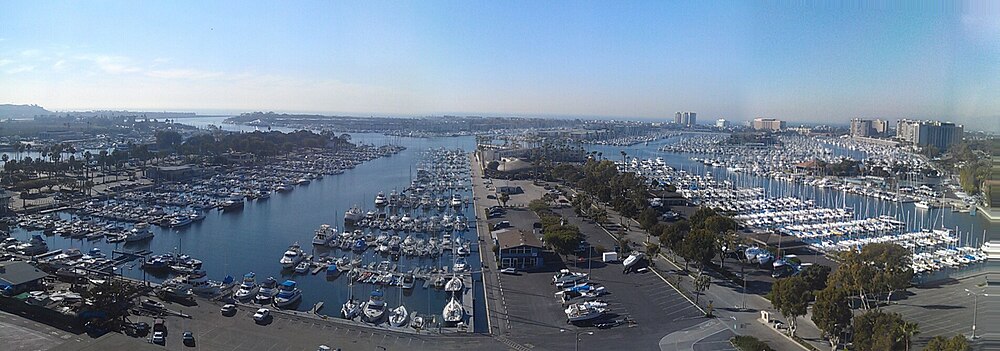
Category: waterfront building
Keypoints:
(861, 127)
(868, 127)
(171, 173)
(18, 276)
(686, 119)
(927, 133)
(770, 124)
(518, 249)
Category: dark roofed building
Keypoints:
(518, 249)
(18, 276)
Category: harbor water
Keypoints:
(254, 238)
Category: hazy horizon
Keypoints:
(808, 63)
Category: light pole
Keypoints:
(975, 309)
(577, 339)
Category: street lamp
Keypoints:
(577, 340)
(975, 309)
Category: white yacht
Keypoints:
(353, 215)
(398, 316)
(374, 309)
(292, 256)
(453, 311)
(139, 233)
(324, 234)
(267, 290)
(582, 312)
(288, 294)
(456, 200)
(248, 288)
(380, 200)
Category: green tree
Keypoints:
(906, 332)
(816, 276)
(955, 343)
(790, 296)
(168, 139)
(832, 314)
(503, 198)
(876, 330)
(699, 246)
(648, 218)
(701, 283)
(673, 234)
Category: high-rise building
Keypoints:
(686, 119)
(861, 127)
(771, 124)
(880, 126)
(924, 133)
(721, 123)
(868, 127)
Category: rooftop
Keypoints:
(509, 238)
(19, 272)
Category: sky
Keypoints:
(816, 62)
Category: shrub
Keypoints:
(749, 343)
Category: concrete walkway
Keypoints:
(685, 340)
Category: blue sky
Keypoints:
(801, 61)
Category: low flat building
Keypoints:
(518, 249)
(18, 276)
(171, 173)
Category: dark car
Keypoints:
(188, 338)
(141, 328)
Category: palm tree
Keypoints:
(908, 330)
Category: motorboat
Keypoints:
(288, 294)
(407, 282)
(374, 308)
(417, 321)
(453, 311)
(324, 234)
(582, 312)
(456, 200)
(454, 284)
(248, 288)
(380, 200)
(632, 259)
(353, 215)
(398, 316)
(292, 256)
(302, 267)
(267, 290)
(567, 278)
(139, 233)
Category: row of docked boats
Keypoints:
(388, 243)
(284, 295)
(404, 222)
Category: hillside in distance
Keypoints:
(21, 111)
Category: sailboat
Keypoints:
(453, 312)
(351, 308)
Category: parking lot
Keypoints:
(20, 334)
(536, 318)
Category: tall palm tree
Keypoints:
(908, 330)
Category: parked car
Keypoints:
(159, 338)
(262, 315)
(188, 338)
(228, 309)
(509, 270)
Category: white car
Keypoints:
(509, 270)
(261, 315)
(158, 338)
(228, 309)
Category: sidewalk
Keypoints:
(725, 297)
